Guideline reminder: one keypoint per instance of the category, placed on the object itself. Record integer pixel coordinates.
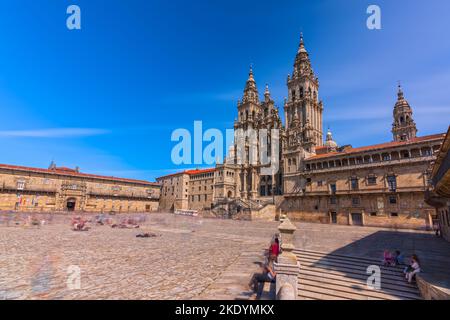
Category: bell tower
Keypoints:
(249, 107)
(403, 127)
(303, 110)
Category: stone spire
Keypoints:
(52, 165)
(329, 135)
(302, 65)
(301, 47)
(330, 143)
(400, 94)
(250, 91)
(403, 127)
(267, 93)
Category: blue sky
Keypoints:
(107, 97)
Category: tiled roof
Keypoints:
(379, 146)
(198, 171)
(74, 173)
(189, 172)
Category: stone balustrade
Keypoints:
(287, 267)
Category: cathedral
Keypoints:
(316, 180)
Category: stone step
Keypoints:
(309, 295)
(358, 273)
(360, 288)
(343, 266)
(352, 260)
(359, 278)
(347, 257)
(348, 292)
(268, 291)
(312, 295)
(333, 276)
(320, 257)
(327, 294)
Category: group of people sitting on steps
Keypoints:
(396, 258)
(267, 273)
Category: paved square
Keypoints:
(193, 258)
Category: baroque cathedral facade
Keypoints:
(316, 180)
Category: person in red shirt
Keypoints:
(274, 250)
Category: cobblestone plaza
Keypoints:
(187, 260)
(191, 258)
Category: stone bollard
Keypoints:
(287, 267)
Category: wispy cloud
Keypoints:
(54, 133)
(197, 97)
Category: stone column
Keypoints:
(273, 186)
(286, 119)
(287, 267)
(255, 184)
(245, 176)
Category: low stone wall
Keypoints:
(433, 287)
(305, 216)
(343, 218)
(287, 267)
(266, 214)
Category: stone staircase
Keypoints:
(340, 277)
(235, 208)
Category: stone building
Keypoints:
(258, 118)
(378, 185)
(190, 189)
(439, 194)
(201, 188)
(63, 189)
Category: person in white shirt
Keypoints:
(413, 268)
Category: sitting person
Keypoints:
(274, 249)
(412, 269)
(79, 224)
(399, 258)
(388, 259)
(267, 275)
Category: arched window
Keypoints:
(301, 92)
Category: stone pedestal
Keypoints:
(287, 267)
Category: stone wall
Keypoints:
(174, 192)
(432, 288)
(29, 191)
(201, 191)
(409, 212)
(361, 195)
